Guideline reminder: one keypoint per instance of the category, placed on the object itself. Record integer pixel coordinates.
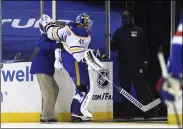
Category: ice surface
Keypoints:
(86, 125)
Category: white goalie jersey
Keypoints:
(75, 40)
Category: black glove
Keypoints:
(60, 45)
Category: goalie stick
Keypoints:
(96, 65)
(165, 76)
(128, 96)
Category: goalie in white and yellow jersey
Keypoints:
(75, 38)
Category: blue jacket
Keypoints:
(43, 62)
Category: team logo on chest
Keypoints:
(134, 33)
(102, 82)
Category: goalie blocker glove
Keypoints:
(45, 22)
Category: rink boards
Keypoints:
(171, 113)
(21, 98)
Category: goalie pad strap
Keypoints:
(60, 45)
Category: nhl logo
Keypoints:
(134, 33)
(102, 82)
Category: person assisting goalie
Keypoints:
(77, 59)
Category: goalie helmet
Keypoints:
(84, 20)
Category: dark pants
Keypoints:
(134, 75)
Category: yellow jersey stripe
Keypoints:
(55, 36)
(76, 49)
(77, 74)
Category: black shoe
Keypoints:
(48, 121)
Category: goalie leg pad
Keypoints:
(79, 103)
(86, 102)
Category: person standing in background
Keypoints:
(43, 67)
(129, 41)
